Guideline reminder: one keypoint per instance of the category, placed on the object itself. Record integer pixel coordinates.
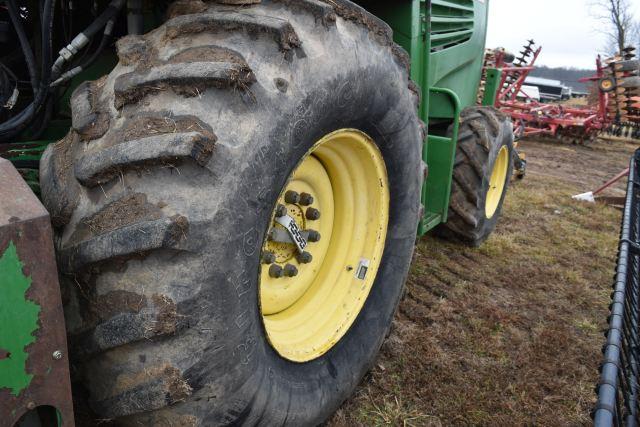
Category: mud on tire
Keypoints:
(483, 132)
(162, 194)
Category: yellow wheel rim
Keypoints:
(308, 305)
(497, 183)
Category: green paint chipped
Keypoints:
(19, 319)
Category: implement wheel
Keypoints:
(481, 175)
(607, 84)
(236, 207)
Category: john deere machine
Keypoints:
(233, 191)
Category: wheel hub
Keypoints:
(324, 245)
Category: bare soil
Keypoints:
(508, 333)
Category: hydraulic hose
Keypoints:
(108, 30)
(24, 42)
(81, 40)
(106, 19)
(16, 124)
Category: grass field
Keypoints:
(509, 333)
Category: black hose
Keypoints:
(24, 42)
(45, 118)
(10, 73)
(81, 40)
(16, 124)
(99, 23)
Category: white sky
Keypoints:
(565, 29)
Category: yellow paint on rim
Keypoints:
(306, 315)
(497, 182)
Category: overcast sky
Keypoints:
(565, 29)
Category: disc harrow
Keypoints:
(617, 112)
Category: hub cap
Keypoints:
(497, 182)
(338, 197)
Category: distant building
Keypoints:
(550, 90)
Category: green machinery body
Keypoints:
(445, 40)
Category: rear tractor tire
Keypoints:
(236, 209)
(482, 171)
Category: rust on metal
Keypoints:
(25, 226)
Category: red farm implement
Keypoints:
(616, 111)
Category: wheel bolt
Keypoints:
(281, 210)
(304, 258)
(306, 199)
(290, 270)
(268, 258)
(275, 271)
(291, 197)
(312, 214)
(313, 236)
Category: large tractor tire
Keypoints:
(187, 300)
(481, 175)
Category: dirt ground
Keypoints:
(510, 333)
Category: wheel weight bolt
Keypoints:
(268, 258)
(304, 258)
(290, 270)
(276, 271)
(312, 214)
(281, 210)
(306, 199)
(313, 236)
(291, 197)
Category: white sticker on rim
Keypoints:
(294, 231)
(363, 268)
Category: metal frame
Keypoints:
(617, 390)
(533, 118)
(34, 367)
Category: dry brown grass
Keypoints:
(510, 333)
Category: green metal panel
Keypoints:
(18, 315)
(34, 369)
(458, 67)
(494, 76)
(445, 40)
(440, 152)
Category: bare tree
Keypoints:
(620, 25)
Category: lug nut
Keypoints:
(276, 271)
(304, 258)
(313, 236)
(290, 270)
(312, 214)
(281, 210)
(306, 199)
(268, 258)
(291, 197)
